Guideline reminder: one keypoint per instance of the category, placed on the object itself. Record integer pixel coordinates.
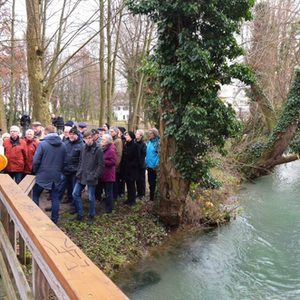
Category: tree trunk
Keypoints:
(109, 64)
(39, 96)
(12, 102)
(102, 88)
(283, 133)
(3, 126)
(173, 189)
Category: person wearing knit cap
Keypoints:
(129, 166)
(152, 159)
(74, 145)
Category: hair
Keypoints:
(107, 125)
(5, 135)
(16, 128)
(50, 129)
(115, 129)
(87, 133)
(29, 130)
(140, 131)
(154, 131)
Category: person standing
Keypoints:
(48, 163)
(38, 130)
(31, 146)
(114, 132)
(74, 145)
(141, 178)
(129, 166)
(108, 176)
(90, 168)
(152, 159)
(15, 151)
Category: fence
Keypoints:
(59, 267)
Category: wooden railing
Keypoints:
(57, 263)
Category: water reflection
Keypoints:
(257, 256)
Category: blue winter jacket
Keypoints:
(152, 153)
(48, 161)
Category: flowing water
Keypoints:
(256, 256)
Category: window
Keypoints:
(124, 117)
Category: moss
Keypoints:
(117, 239)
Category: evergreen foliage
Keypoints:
(194, 53)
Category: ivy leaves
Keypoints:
(193, 56)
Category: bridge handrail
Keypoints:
(57, 261)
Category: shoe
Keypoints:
(48, 208)
(78, 218)
(90, 221)
(129, 203)
(141, 198)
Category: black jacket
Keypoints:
(91, 165)
(130, 162)
(72, 156)
(142, 148)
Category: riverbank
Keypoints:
(129, 234)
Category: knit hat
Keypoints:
(74, 130)
(131, 134)
(69, 123)
(94, 131)
(82, 125)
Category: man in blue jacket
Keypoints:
(152, 159)
(48, 164)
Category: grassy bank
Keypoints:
(116, 240)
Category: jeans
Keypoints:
(54, 194)
(17, 176)
(67, 182)
(109, 201)
(78, 201)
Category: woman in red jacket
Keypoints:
(31, 145)
(15, 151)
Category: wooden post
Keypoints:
(40, 284)
(12, 234)
(22, 251)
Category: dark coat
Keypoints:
(73, 155)
(48, 161)
(15, 151)
(110, 161)
(130, 163)
(142, 148)
(91, 165)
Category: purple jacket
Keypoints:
(110, 161)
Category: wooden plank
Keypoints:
(27, 183)
(22, 251)
(6, 280)
(12, 234)
(40, 284)
(69, 272)
(20, 278)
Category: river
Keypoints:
(256, 256)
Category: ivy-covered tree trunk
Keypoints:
(195, 44)
(173, 188)
(283, 133)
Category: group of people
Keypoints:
(101, 160)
